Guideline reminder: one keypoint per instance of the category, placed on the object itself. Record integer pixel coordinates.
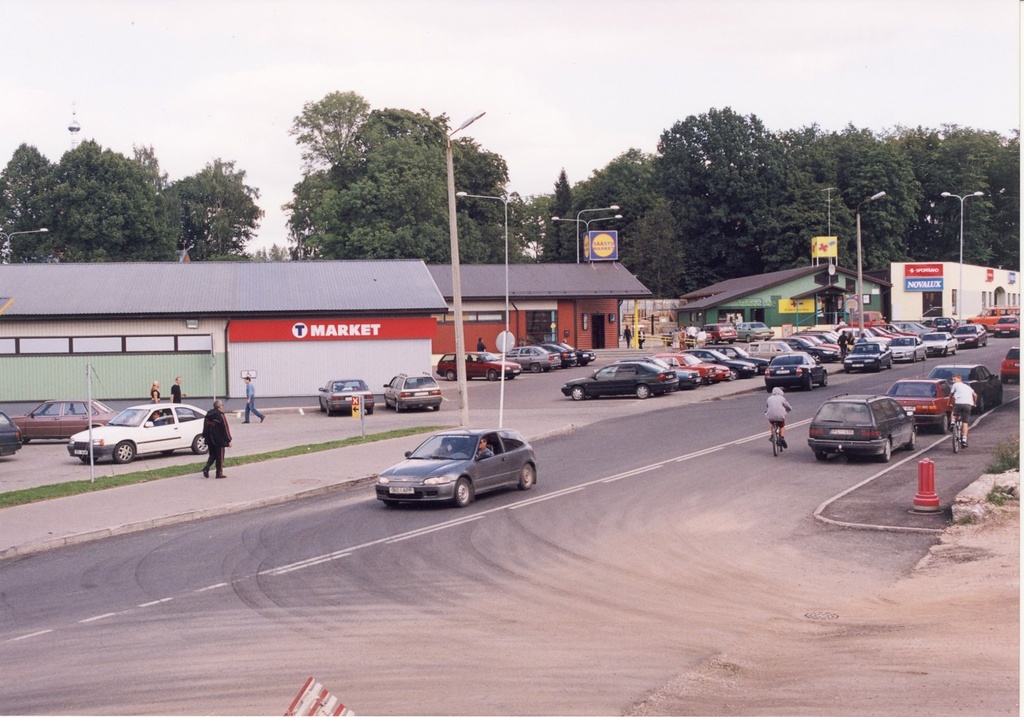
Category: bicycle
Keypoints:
(957, 427)
(776, 439)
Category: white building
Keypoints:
(922, 290)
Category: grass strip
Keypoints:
(78, 487)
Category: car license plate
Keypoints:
(842, 431)
(401, 490)
(858, 364)
(419, 393)
(782, 371)
(81, 452)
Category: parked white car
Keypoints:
(769, 349)
(147, 428)
(908, 348)
(939, 343)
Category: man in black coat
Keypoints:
(218, 438)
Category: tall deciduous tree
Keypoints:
(104, 207)
(218, 212)
(326, 130)
(25, 186)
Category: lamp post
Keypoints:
(7, 241)
(860, 267)
(587, 223)
(960, 291)
(501, 393)
(460, 340)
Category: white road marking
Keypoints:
(30, 635)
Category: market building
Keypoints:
(923, 290)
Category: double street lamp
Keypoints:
(7, 241)
(960, 291)
(501, 400)
(578, 220)
(460, 339)
(860, 267)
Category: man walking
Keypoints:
(218, 438)
(176, 394)
(250, 401)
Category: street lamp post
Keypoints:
(960, 291)
(7, 241)
(501, 393)
(860, 267)
(460, 339)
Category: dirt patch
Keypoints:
(943, 640)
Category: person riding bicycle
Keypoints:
(964, 399)
(776, 410)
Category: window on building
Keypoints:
(540, 326)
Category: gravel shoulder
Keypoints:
(944, 639)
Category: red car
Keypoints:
(479, 364)
(929, 399)
(61, 419)
(1009, 369)
(721, 333)
(709, 372)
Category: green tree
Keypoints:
(25, 185)
(326, 130)
(218, 212)
(104, 207)
(655, 255)
(559, 241)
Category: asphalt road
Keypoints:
(654, 538)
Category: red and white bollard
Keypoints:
(926, 500)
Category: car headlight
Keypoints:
(437, 480)
(383, 479)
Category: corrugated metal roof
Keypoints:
(219, 288)
(570, 281)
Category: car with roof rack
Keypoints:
(406, 391)
(861, 425)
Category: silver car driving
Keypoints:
(457, 464)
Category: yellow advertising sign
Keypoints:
(822, 247)
(796, 306)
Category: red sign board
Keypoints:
(347, 329)
(931, 270)
(990, 274)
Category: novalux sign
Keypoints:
(922, 277)
(329, 329)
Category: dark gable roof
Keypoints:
(218, 288)
(569, 281)
(731, 289)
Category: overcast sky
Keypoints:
(565, 83)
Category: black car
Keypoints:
(740, 369)
(970, 336)
(10, 436)
(738, 354)
(861, 425)
(944, 323)
(796, 369)
(583, 357)
(624, 378)
(821, 352)
(566, 357)
(985, 383)
(867, 356)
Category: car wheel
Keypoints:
(527, 477)
(463, 493)
(323, 408)
(912, 443)
(642, 390)
(437, 407)
(536, 368)
(389, 503)
(369, 411)
(26, 441)
(733, 374)
(809, 383)
(199, 446)
(124, 452)
(84, 459)
(981, 404)
(451, 375)
(398, 407)
(821, 455)
(886, 454)
(492, 375)
(943, 425)
(768, 388)
(578, 393)
(824, 379)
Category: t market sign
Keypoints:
(331, 329)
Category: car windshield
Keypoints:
(906, 341)
(446, 447)
(934, 337)
(420, 382)
(787, 360)
(130, 417)
(739, 352)
(964, 330)
(866, 349)
(1013, 354)
(349, 386)
(843, 412)
(912, 390)
(487, 356)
